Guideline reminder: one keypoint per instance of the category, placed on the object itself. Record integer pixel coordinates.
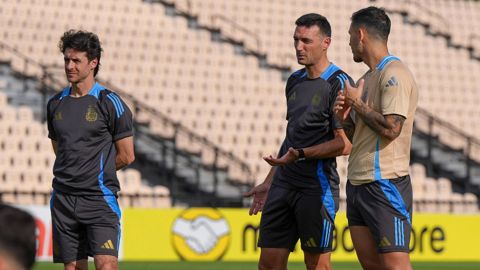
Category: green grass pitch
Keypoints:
(253, 266)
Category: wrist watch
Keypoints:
(301, 154)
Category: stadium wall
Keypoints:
(208, 234)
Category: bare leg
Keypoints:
(365, 248)
(318, 261)
(273, 259)
(105, 262)
(396, 260)
(76, 265)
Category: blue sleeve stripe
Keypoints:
(342, 78)
(115, 101)
(119, 103)
(114, 104)
(341, 82)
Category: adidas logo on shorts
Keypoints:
(108, 245)
(384, 243)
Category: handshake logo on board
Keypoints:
(200, 234)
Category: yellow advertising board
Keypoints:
(208, 234)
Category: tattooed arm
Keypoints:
(388, 126)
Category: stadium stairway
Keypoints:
(439, 157)
(20, 91)
(247, 43)
(160, 157)
(191, 181)
(170, 141)
(241, 45)
(442, 160)
(434, 24)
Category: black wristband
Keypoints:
(301, 154)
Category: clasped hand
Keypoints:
(345, 99)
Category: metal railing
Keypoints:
(452, 137)
(434, 23)
(238, 30)
(220, 33)
(52, 80)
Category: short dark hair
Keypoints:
(310, 19)
(375, 20)
(82, 41)
(17, 235)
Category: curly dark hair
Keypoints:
(375, 20)
(82, 41)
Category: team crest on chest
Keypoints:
(58, 116)
(316, 99)
(91, 115)
(292, 97)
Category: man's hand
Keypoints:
(259, 194)
(289, 157)
(351, 93)
(341, 109)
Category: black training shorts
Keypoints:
(84, 226)
(292, 214)
(385, 207)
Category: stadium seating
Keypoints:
(438, 15)
(419, 51)
(209, 86)
(205, 83)
(27, 159)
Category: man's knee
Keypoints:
(106, 263)
(273, 259)
(371, 265)
(76, 265)
(318, 265)
(71, 266)
(265, 265)
(317, 261)
(396, 261)
(392, 265)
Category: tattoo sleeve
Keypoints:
(388, 126)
